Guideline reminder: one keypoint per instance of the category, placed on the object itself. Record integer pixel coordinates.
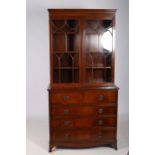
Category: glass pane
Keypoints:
(66, 48)
(98, 51)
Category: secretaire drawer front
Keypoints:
(63, 98)
(83, 110)
(100, 97)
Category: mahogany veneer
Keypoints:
(82, 94)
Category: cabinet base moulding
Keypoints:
(81, 145)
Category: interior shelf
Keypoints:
(108, 67)
(63, 33)
(66, 67)
(96, 80)
(64, 52)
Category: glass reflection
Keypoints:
(106, 40)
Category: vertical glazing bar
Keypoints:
(72, 68)
(98, 42)
(92, 65)
(66, 37)
(60, 70)
(59, 67)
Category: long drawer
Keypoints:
(83, 110)
(64, 98)
(84, 122)
(84, 135)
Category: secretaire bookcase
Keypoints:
(82, 93)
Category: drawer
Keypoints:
(84, 122)
(83, 110)
(65, 98)
(100, 97)
(103, 134)
(84, 134)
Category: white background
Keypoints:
(13, 82)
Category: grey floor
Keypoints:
(37, 141)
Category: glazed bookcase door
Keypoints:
(98, 51)
(66, 51)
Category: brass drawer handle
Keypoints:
(66, 123)
(100, 110)
(100, 122)
(66, 111)
(101, 98)
(100, 135)
(66, 98)
(67, 136)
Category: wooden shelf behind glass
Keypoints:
(108, 67)
(66, 67)
(66, 33)
(64, 52)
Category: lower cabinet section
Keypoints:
(80, 119)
